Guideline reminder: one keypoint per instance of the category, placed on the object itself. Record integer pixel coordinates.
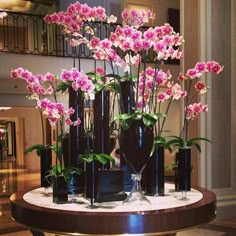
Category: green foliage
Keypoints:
(37, 148)
(180, 143)
(173, 166)
(160, 141)
(57, 170)
(58, 151)
(62, 87)
(102, 158)
(147, 118)
(112, 85)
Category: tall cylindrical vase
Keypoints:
(77, 139)
(154, 173)
(101, 142)
(73, 177)
(101, 108)
(127, 96)
(183, 170)
(91, 180)
(45, 166)
(126, 102)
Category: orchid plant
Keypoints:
(150, 86)
(194, 109)
(41, 88)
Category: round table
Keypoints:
(37, 212)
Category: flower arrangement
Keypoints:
(44, 86)
(41, 86)
(145, 82)
(193, 109)
(149, 87)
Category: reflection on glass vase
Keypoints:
(136, 196)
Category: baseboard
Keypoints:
(226, 203)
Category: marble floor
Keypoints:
(12, 180)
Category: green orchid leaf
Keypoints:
(87, 158)
(198, 139)
(99, 87)
(107, 157)
(125, 124)
(101, 159)
(192, 142)
(62, 87)
(37, 147)
(173, 166)
(58, 151)
(160, 115)
(162, 141)
(114, 87)
(38, 152)
(148, 121)
(67, 171)
(124, 116)
(159, 140)
(56, 170)
(196, 145)
(112, 76)
(91, 74)
(134, 78)
(176, 141)
(72, 170)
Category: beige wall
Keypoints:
(221, 92)
(28, 133)
(189, 29)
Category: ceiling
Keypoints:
(39, 7)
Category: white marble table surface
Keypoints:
(170, 200)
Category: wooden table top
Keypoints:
(154, 221)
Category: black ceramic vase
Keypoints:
(45, 166)
(76, 141)
(154, 174)
(183, 170)
(127, 95)
(136, 144)
(101, 106)
(91, 180)
(59, 190)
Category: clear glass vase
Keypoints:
(136, 196)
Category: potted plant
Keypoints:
(54, 110)
(182, 144)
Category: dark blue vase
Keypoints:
(154, 173)
(183, 170)
(136, 144)
(59, 190)
(45, 166)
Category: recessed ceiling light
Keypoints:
(5, 108)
